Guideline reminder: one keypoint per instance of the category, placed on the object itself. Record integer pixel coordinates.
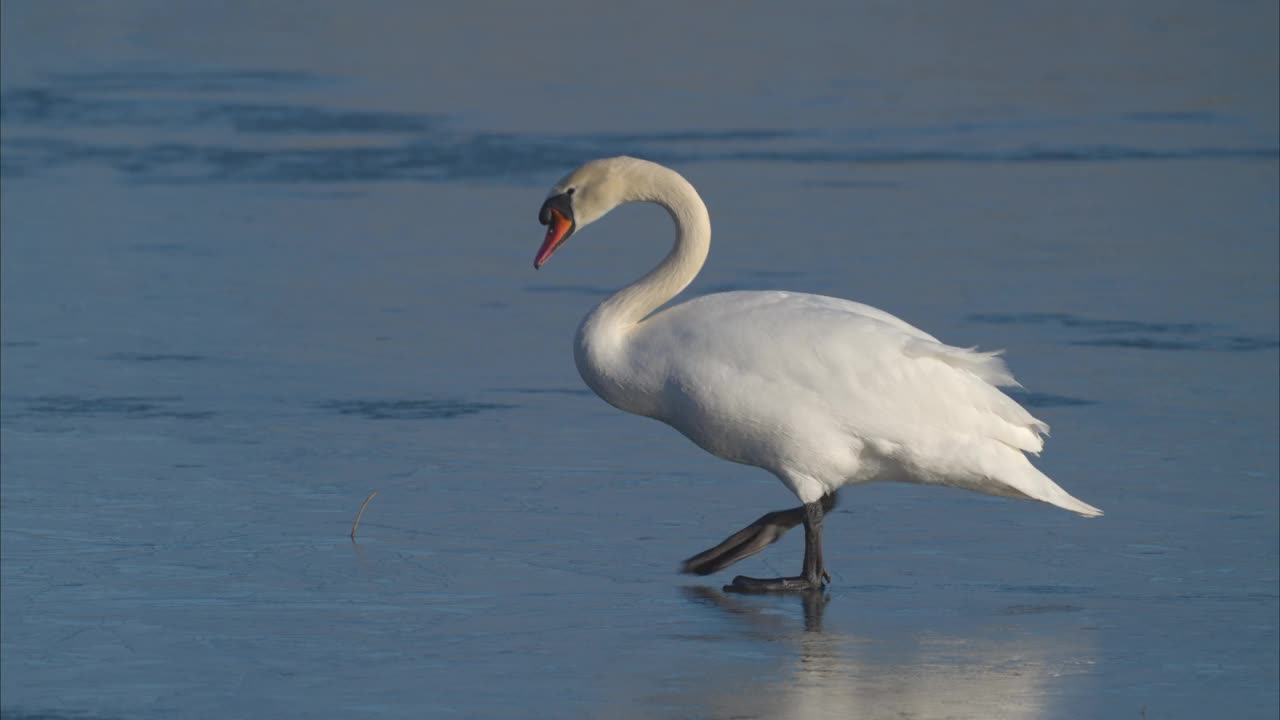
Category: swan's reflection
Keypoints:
(990, 674)
(813, 604)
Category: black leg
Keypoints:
(751, 539)
(814, 572)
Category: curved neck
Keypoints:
(629, 306)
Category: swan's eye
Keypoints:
(570, 191)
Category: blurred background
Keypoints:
(261, 259)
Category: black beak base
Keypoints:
(561, 204)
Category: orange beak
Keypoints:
(559, 228)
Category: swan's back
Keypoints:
(869, 366)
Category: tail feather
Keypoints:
(1046, 490)
(1066, 501)
(1011, 474)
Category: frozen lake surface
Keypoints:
(259, 261)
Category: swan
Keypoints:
(819, 391)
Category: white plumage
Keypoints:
(820, 391)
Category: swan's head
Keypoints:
(584, 196)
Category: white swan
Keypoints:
(819, 391)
